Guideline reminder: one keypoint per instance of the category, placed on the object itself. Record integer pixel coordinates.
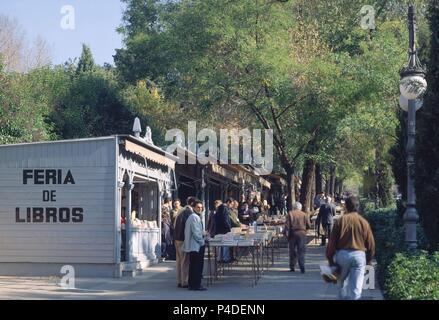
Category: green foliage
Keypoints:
(86, 61)
(144, 55)
(91, 106)
(389, 238)
(400, 275)
(306, 69)
(146, 101)
(427, 152)
(367, 205)
(398, 154)
(26, 101)
(413, 277)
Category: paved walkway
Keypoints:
(158, 282)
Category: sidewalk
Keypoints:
(159, 283)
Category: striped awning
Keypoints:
(225, 172)
(265, 183)
(149, 154)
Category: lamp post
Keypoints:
(412, 86)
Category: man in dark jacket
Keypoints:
(182, 258)
(326, 219)
(223, 225)
(319, 200)
(211, 218)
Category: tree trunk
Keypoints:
(337, 185)
(307, 182)
(313, 189)
(326, 184)
(290, 187)
(340, 186)
(332, 180)
(319, 179)
(377, 190)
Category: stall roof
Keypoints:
(148, 151)
(132, 144)
(56, 141)
(192, 156)
(225, 172)
(244, 170)
(276, 178)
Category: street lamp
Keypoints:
(412, 86)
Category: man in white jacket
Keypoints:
(194, 245)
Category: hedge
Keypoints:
(402, 275)
(413, 277)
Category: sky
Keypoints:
(94, 23)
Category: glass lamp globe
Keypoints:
(412, 87)
(404, 103)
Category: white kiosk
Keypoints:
(65, 203)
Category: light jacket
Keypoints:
(193, 234)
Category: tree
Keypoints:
(239, 57)
(92, 104)
(86, 61)
(16, 55)
(427, 153)
(143, 55)
(26, 101)
(275, 65)
(11, 44)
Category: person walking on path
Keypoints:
(351, 246)
(296, 225)
(182, 259)
(319, 200)
(194, 246)
(326, 219)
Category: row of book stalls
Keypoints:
(68, 202)
(212, 181)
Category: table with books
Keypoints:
(252, 252)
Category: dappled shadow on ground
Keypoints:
(159, 282)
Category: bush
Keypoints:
(400, 275)
(413, 277)
(388, 232)
(366, 205)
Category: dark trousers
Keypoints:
(327, 233)
(297, 246)
(196, 264)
